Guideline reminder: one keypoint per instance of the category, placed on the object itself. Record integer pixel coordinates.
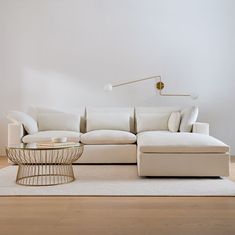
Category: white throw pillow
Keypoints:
(108, 121)
(188, 118)
(152, 121)
(58, 122)
(30, 125)
(174, 122)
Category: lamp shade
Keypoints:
(108, 87)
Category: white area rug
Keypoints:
(117, 180)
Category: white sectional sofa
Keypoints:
(163, 141)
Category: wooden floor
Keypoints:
(117, 215)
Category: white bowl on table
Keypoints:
(59, 140)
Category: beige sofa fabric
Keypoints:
(108, 154)
(153, 118)
(158, 153)
(79, 111)
(108, 137)
(44, 136)
(108, 121)
(174, 122)
(124, 111)
(58, 122)
(189, 117)
(152, 122)
(16, 132)
(168, 142)
(183, 164)
(202, 128)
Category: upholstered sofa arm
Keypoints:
(201, 128)
(15, 133)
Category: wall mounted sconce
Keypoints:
(159, 85)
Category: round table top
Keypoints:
(45, 146)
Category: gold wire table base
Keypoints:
(44, 166)
(44, 175)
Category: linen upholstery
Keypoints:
(158, 153)
(202, 128)
(152, 122)
(108, 137)
(174, 121)
(45, 136)
(188, 117)
(153, 118)
(122, 112)
(34, 111)
(108, 154)
(183, 164)
(168, 142)
(108, 121)
(26, 120)
(16, 132)
(58, 122)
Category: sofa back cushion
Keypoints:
(153, 118)
(36, 111)
(152, 122)
(58, 122)
(105, 118)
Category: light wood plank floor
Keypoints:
(117, 215)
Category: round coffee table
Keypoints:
(42, 165)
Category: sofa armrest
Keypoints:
(201, 128)
(15, 133)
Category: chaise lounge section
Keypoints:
(181, 154)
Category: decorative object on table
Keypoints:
(59, 140)
(44, 165)
(159, 85)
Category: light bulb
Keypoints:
(108, 87)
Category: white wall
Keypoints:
(61, 53)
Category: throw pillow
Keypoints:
(30, 125)
(174, 122)
(188, 117)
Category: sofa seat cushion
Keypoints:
(168, 142)
(47, 135)
(108, 137)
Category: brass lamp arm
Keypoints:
(135, 81)
(159, 86)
